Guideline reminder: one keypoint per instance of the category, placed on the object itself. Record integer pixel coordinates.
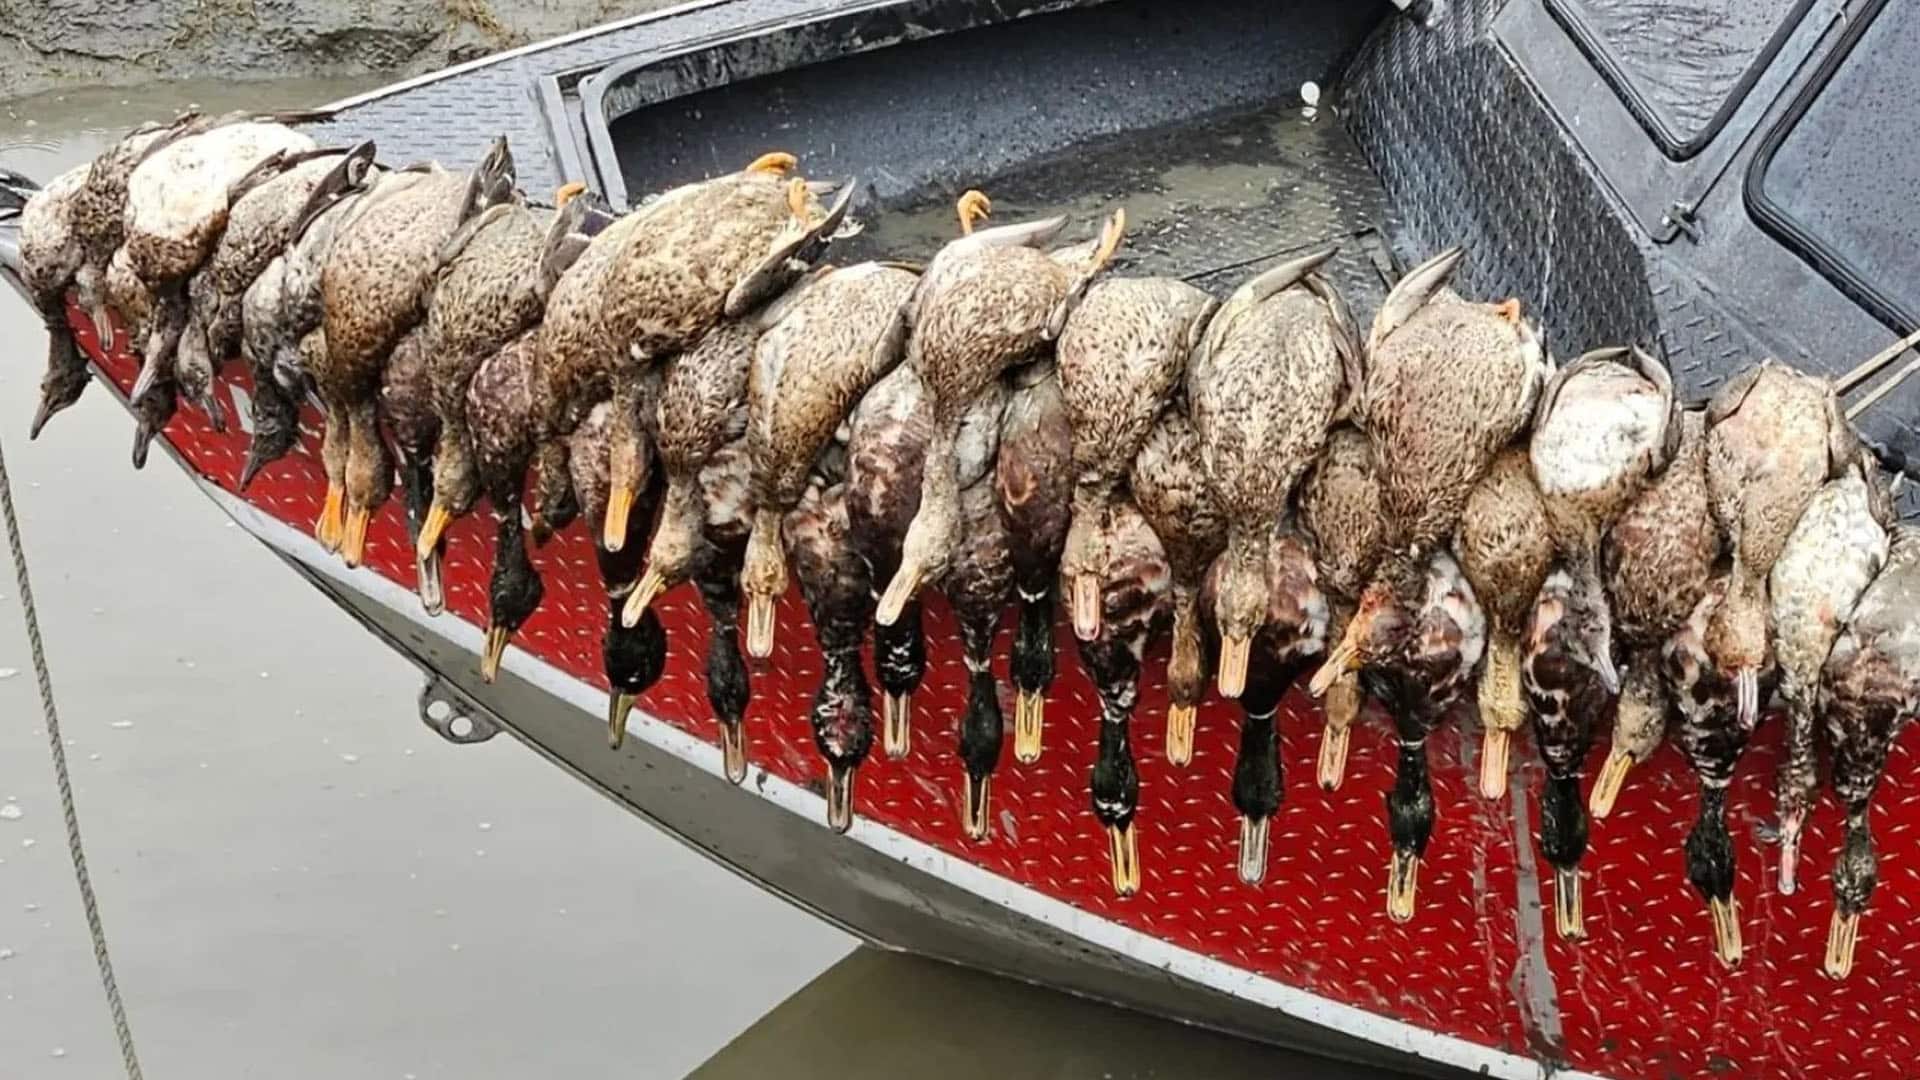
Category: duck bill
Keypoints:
(1253, 849)
(1495, 746)
(613, 531)
(973, 806)
(432, 529)
(1726, 931)
(645, 592)
(497, 637)
(900, 591)
(1029, 721)
(149, 374)
(1123, 850)
(1180, 724)
(1746, 692)
(353, 541)
(1791, 824)
(760, 625)
(1234, 653)
(733, 751)
(619, 708)
(1606, 789)
(1842, 934)
(328, 527)
(1569, 917)
(1403, 886)
(429, 581)
(1085, 602)
(1344, 659)
(1333, 757)
(840, 777)
(896, 726)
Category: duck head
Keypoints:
(676, 546)
(1384, 622)
(1739, 645)
(513, 592)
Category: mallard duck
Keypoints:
(1832, 555)
(1659, 557)
(406, 401)
(833, 580)
(1274, 373)
(491, 281)
(979, 585)
(1340, 511)
(499, 408)
(1134, 600)
(1293, 631)
(990, 300)
(1033, 479)
(1505, 550)
(373, 290)
(1449, 382)
(1774, 436)
(177, 208)
(706, 251)
(100, 207)
(1170, 488)
(1870, 691)
(1123, 351)
(633, 658)
(1572, 692)
(830, 338)
(50, 259)
(886, 450)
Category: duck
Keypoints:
(1712, 734)
(1169, 482)
(372, 289)
(1339, 510)
(51, 257)
(406, 403)
(1571, 693)
(100, 208)
(1122, 352)
(1449, 383)
(990, 300)
(979, 586)
(830, 338)
(886, 450)
(1659, 557)
(178, 204)
(1834, 552)
(1419, 672)
(1274, 373)
(1774, 436)
(632, 657)
(1292, 632)
(1134, 602)
(1033, 479)
(491, 281)
(1506, 550)
(1869, 692)
(715, 249)
(839, 597)
(499, 411)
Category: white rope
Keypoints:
(59, 751)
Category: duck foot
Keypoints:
(973, 806)
(733, 750)
(840, 779)
(1568, 916)
(1842, 935)
(1333, 757)
(1029, 719)
(1253, 849)
(1606, 789)
(1180, 724)
(896, 726)
(1123, 848)
(1403, 886)
(1726, 931)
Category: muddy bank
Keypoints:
(51, 44)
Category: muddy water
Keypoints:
(299, 879)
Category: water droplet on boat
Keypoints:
(93, 757)
(121, 724)
(350, 758)
(480, 852)
(264, 675)
(486, 826)
(455, 946)
(28, 842)
(6, 954)
(58, 1051)
(188, 664)
(31, 908)
(8, 673)
(439, 913)
(11, 812)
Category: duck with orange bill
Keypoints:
(1774, 435)
(1834, 552)
(1869, 693)
(1123, 352)
(632, 657)
(828, 339)
(1505, 550)
(989, 301)
(1339, 506)
(1292, 633)
(1448, 383)
(1134, 602)
(833, 580)
(499, 412)
(1278, 367)
(1659, 557)
(1033, 478)
(1170, 488)
(711, 250)
(373, 290)
(979, 586)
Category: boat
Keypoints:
(1714, 185)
